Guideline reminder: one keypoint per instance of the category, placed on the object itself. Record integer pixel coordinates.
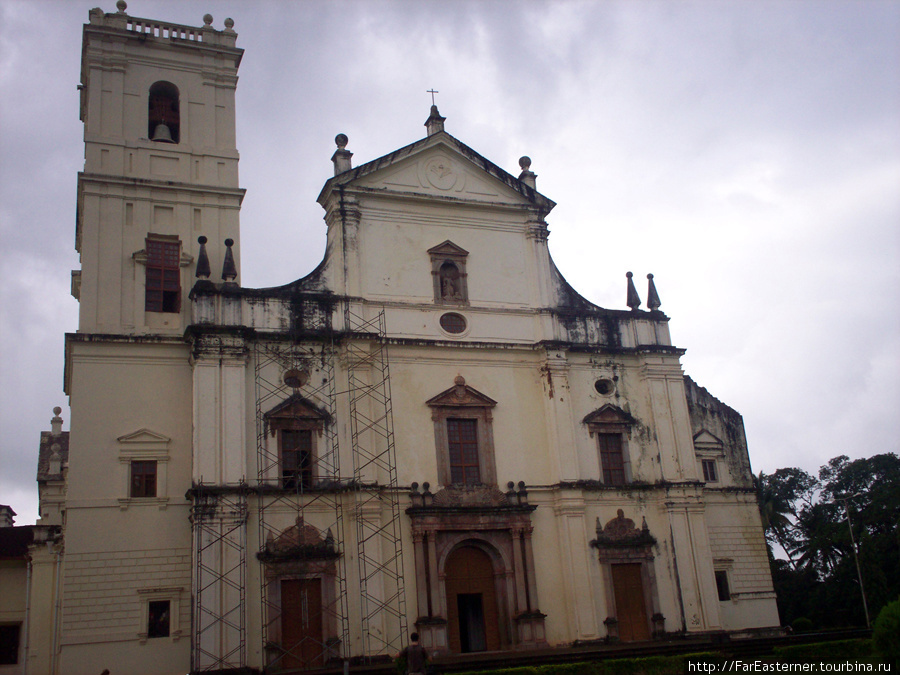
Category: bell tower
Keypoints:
(160, 169)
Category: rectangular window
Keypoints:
(462, 441)
(143, 479)
(158, 619)
(722, 585)
(9, 644)
(611, 460)
(163, 283)
(296, 458)
(710, 474)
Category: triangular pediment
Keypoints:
(461, 395)
(448, 248)
(609, 414)
(439, 166)
(296, 407)
(705, 439)
(143, 437)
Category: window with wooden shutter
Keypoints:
(462, 442)
(163, 280)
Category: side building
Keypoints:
(431, 431)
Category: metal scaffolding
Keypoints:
(377, 505)
(303, 537)
(219, 523)
(286, 371)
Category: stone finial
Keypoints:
(207, 19)
(229, 24)
(121, 5)
(459, 381)
(341, 156)
(527, 176)
(56, 422)
(435, 122)
(652, 296)
(203, 269)
(633, 300)
(229, 270)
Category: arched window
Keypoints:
(163, 116)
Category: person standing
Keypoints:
(415, 655)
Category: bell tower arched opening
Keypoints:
(163, 116)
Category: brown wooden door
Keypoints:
(472, 616)
(631, 611)
(301, 623)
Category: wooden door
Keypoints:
(301, 623)
(631, 611)
(472, 616)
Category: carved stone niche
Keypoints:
(621, 542)
(498, 525)
(448, 272)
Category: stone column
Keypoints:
(561, 433)
(694, 560)
(519, 568)
(422, 590)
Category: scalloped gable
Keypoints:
(439, 165)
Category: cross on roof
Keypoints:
(432, 92)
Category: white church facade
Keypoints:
(431, 431)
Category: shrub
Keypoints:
(886, 633)
(802, 625)
(829, 652)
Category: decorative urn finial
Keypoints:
(341, 156)
(633, 300)
(652, 296)
(229, 270)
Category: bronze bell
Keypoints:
(162, 134)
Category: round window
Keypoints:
(453, 322)
(604, 386)
(295, 378)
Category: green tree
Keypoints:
(808, 518)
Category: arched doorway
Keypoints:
(473, 619)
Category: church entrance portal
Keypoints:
(630, 608)
(474, 623)
(301, 623)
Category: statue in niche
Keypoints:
(450, 282)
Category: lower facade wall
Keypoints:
(106, 597)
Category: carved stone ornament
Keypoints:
(477, 496)
(440, 173)
(299, 541)
(621, 531)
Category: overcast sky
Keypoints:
(746, 153)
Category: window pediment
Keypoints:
(448, 249)
(461, 395)
(296, 407)
(704, 440)
(144, 437)
(609, 415)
